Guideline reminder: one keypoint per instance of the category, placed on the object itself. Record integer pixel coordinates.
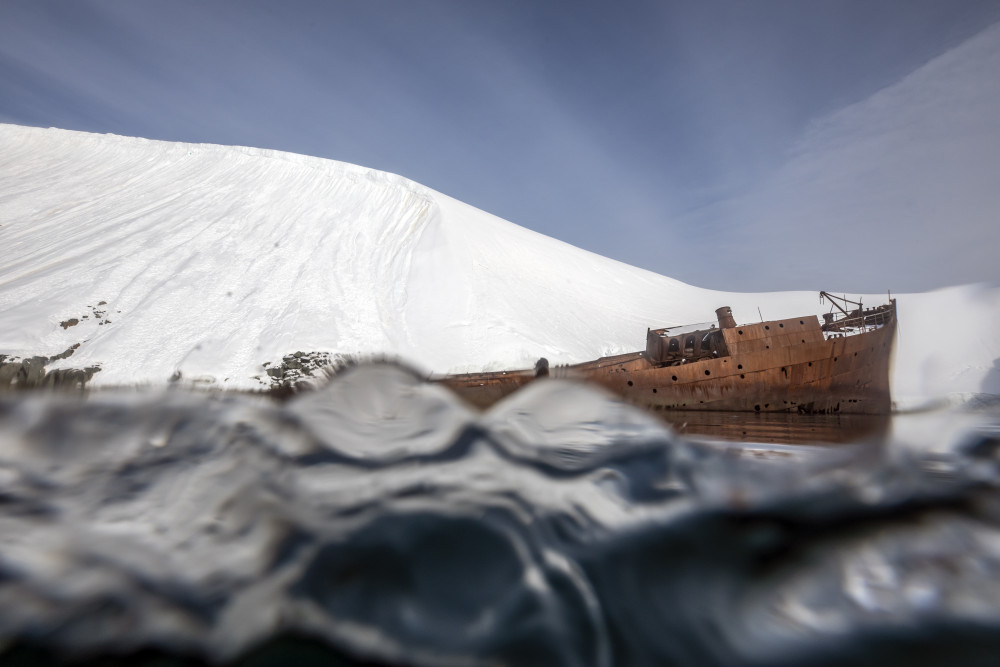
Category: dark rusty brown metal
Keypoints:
(791, 365)
(726, 319)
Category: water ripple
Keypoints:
(380, 520)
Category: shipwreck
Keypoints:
(801, 365)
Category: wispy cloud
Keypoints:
(901, 190)
(651, 131)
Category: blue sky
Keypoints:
(735, 145)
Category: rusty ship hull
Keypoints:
(790, 365)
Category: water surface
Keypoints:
(379, 520)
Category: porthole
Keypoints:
(630, 383)
(756, 408)
(767, 327)
(780, 325)
(801, 322)
(835, 358)
(707, 372)
(674, 377)
(739, 367)
(810, 363)
(742, 376)
(740, 332)
(654, 390)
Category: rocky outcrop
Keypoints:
(302, 370)
(30, 373)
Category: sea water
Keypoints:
(380, 521)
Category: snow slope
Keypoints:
(213, 260)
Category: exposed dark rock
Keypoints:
(8, 371)
(69, 378)
(303, 370)
(30, 373)
(65, 354)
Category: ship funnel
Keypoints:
(725, 316)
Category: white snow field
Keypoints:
(212, 260)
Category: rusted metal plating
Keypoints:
(791, 365)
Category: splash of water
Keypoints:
(381, 520)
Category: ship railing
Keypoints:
(869, 320)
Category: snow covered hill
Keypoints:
(201, 262)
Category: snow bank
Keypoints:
(205, 262)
